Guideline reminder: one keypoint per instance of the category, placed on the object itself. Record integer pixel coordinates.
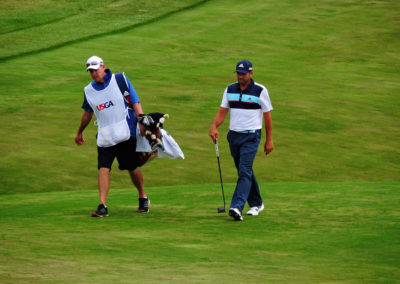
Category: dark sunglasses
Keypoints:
(93, 63)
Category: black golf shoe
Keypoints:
(143, 205)
(235, 214)
(101, 211)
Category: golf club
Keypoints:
(220, 209)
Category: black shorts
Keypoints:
(125, 152)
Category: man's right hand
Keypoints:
(86, 118)
(213, 133)
(219, 119)
(79, 139)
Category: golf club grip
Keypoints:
(216, 148)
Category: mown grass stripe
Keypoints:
(98, 35)
(38, 25)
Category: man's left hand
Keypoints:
(268, 147)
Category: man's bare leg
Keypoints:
(104, 184)
(137, 179)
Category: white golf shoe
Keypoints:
(255, 210)
(236, 214)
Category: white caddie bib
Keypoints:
(109, 108)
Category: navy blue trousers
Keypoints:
(244, 148)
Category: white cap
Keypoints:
(94, 63)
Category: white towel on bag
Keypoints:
(171, 148)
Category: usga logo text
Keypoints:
(105, 105)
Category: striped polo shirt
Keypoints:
(246, 106)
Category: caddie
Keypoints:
(116, 136)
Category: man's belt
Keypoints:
(247, 131)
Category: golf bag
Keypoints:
(149, 126)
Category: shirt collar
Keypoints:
(108, 75)
(107, 78)
(249, 87)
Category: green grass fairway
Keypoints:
(308, 233)
(331, 69)
(331, 186)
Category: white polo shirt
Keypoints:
(246, 106)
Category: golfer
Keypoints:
(116, 136)
(249, 104)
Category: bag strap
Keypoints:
(124, 88)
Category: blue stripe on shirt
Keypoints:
(233, 97)
(250, 99)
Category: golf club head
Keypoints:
(221, 210)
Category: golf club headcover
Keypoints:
(152, 121)
(152, 124)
